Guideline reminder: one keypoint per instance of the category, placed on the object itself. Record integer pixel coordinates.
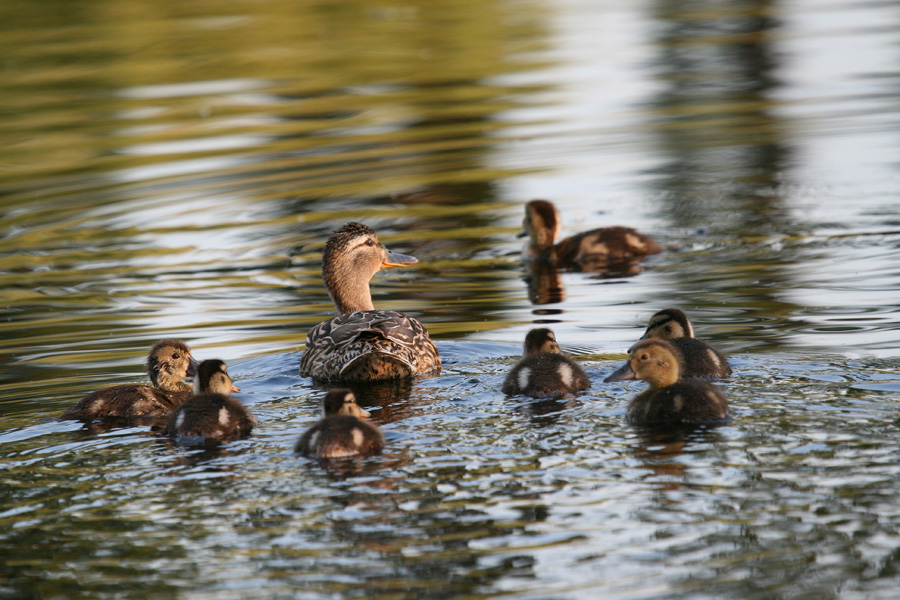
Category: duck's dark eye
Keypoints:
(176, 356)
(370, 242)
(645, 356)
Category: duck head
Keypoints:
(212, 377)
(653, 360)
(668, 324)
(352, 256)
(541, 340)
(341, 401)
(541, 224)
(169, 363)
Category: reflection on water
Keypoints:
(175, 171)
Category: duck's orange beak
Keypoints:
(394, 259)
(235, 388)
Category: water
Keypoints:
(175, 170)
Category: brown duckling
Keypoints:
(544, 371)
(343, 430)
(168, 363)
(362, 343)
(670, 400)
(590, 250)
(699, 358)
(210, 415)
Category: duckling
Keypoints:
(591, 250)
(342, 430)
(670, 400)
(699, 358)
(168, 363)
(544, 372)
(362, 343)
(210, 415)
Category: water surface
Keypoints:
(175, 171)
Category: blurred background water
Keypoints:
(174, 169)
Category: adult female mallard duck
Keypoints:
(362, 343)
(591, 250)
(210, 415)
(544, 371)
(699, 359)
(168, 363)
(343, 430)
(670, 400)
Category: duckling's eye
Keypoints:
(645, 356)
(668, 329)
(370, 242)
(176, 356)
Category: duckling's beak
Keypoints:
(235, 388)
(192, 368)
(394, 259)
(521, 234)
(364, 413)
(624, 373)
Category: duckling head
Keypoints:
(655, 361)
(541, 340)
(668, 324)
(352, 256)
(212, 377)
(342, 401)
(541, 224)
(168, 363)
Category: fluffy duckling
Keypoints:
(591, 250)
(362, 343)
(342, 431)
(210, 415)
(168, 363)
(544, 371)
(699, 358)
(669, 400)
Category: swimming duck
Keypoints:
(362, 343)
(544, 371)
(699, 358)
(670, 400)
(590, 250)
(210, 415)
(168, 363)
(343, 430)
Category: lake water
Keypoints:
(174, 169)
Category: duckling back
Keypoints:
(545, 375)
(683, 403)
(343, 430)
(210, 415)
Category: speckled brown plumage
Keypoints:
(343, 430)
(168, 363)
(699, 358)
(669, 400)
(213, 416)
(588, 251)
(362, 343)
(544, 371)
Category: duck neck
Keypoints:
(349, 289)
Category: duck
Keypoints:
(169, 362)
(343, 430)
(210, 415)
(699, 358)
(362, 343)
(544, 371)
(671, 399)
(597, 249)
